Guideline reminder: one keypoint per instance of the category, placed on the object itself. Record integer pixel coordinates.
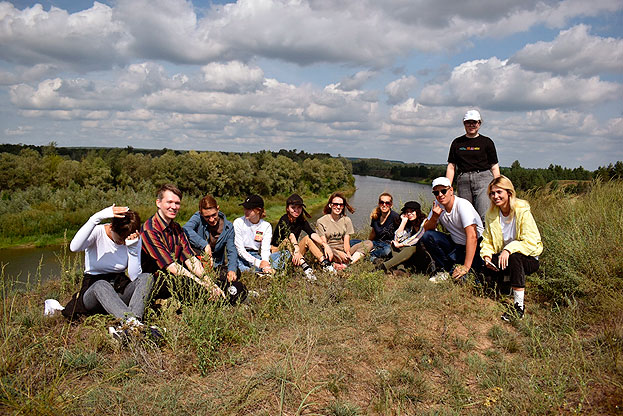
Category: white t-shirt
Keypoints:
(249, 236)
(462, 215)
(101, 254)
(509, 228)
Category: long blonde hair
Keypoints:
(504, 183)
(376, 212)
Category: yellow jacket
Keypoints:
(527, 241)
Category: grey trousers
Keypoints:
(122, 305)
(473, 187)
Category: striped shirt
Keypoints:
(163, 244)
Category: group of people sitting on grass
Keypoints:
(502, 251)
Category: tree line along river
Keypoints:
(23, 263)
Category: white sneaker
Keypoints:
(133, 323)
(329, 269)
(439, 277)
(309, 274)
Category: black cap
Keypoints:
(415, 206)
(294, 199)
(253, 201)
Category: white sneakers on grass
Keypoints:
(440, 277)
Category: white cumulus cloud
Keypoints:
(573, 51)
(399, 90)
(499, 85)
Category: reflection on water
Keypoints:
(32, 264)
(369, 188)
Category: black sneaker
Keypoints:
(516, 312)
(156, 334)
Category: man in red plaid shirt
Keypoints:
(166, 247)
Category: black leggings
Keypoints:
(519, 266)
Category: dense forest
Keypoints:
(196, 173)
(523, 178)
(46, 190)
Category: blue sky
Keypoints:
(385, 78)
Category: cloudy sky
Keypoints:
(362, 78)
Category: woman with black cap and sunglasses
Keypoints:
(285, 242)
(406, 236)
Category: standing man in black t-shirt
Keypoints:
(475, 158)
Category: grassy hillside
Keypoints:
(356, 344)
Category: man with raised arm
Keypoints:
(165, 246)
(457, 252)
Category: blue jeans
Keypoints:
(244, 265)
(276, 260)
(380, 248)
(446, 253)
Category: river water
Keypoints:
(33, 264)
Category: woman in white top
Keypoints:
(252, 237)
(111, 249)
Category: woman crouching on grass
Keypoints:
(252, 237)
(110, 249)
(335, 228)
(406, 237)
(511, 242)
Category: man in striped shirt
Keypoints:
(165, 246)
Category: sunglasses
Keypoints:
(471, 122)
(385, 202)
(443, 192)
(337, 204)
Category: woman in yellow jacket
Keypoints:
(511, 242)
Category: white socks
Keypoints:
(518, 295)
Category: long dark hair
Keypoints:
(419, 216)
(338, 194)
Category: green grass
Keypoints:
(355, 344)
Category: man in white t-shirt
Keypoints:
(457, 252)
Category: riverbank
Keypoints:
(355, 344)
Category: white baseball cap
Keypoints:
(472, 115)
(442, 181)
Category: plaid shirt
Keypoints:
(163, 244)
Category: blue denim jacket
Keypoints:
(197, 231)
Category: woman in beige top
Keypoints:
(335, 228)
